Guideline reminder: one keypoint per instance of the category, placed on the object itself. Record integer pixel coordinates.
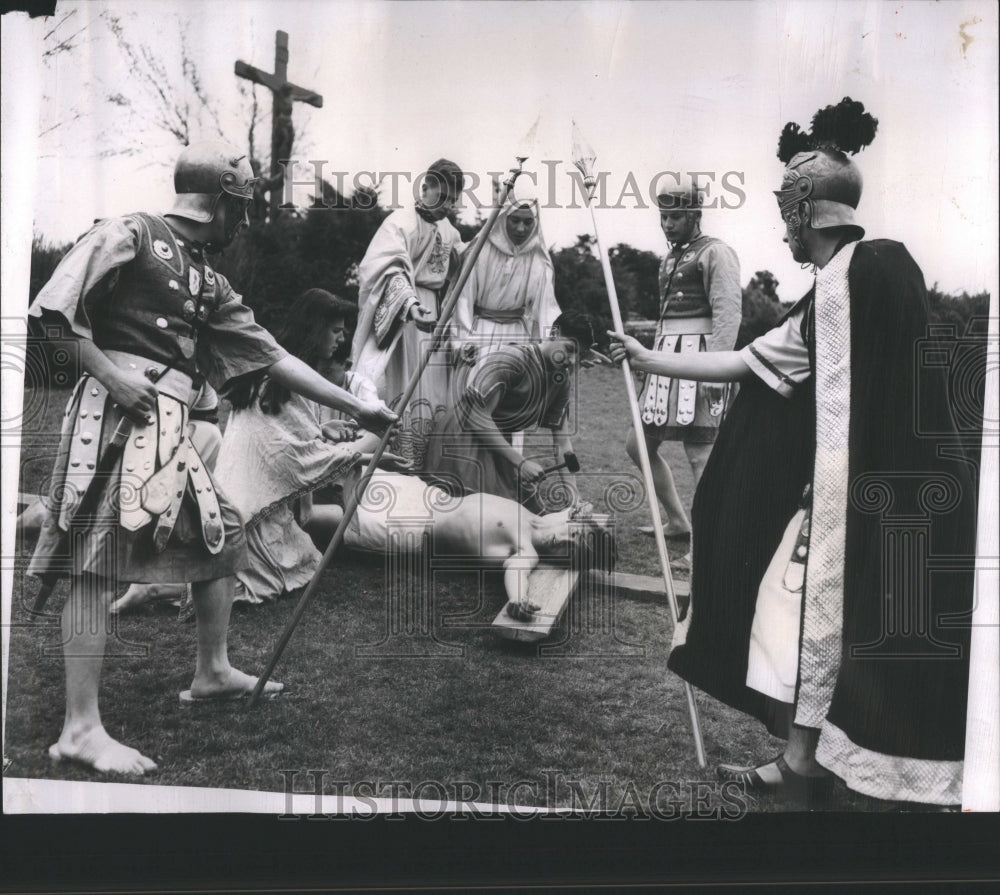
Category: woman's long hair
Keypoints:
(303, 334)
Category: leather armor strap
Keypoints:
(84, 449)
(687, 390)
(656, 398)
(213, 532)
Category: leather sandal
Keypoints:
(792, 784)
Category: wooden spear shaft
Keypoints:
(354, 499)
(647, 472)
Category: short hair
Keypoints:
(587, 539)
(578, 326)
(447, 176)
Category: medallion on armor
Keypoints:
(162, 250)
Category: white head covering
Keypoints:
(524, 195)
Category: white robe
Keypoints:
(408, 260)
(509, 278)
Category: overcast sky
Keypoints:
(654, 86)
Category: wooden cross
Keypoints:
(283, 95)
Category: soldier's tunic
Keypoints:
(700, 309)
(524, 392)
(150, 302)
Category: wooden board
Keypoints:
(644, 588)
(548, 587)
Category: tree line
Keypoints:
(272, 262)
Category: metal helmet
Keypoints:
(203, 173)
(828, 181)
(683, 195)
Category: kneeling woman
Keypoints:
(279, 447)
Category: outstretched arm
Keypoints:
(710, 366)
(298, 376)
(516, 570)
(479, 420)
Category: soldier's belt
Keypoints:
(684, 326)
(654, 401)
(158, 464)
(172, 382)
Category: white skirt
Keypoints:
(773, 662)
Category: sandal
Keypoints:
(792, 784)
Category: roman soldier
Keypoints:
(700, 310)
(807, 610)
(132, 500)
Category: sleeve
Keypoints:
(232, 343)
(780, 357)
(558, 405)
(547, 310)
(72, 292)
(491, 375)
(463, 315)
(361, 387)
(392, 308)
(721, 272)
(386, 282)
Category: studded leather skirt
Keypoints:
(156, 516)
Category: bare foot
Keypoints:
(235, 685)
(669, 532)
(140, 594)
(98, 750)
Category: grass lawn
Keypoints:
(596, 706)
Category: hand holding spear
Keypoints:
(584, 158)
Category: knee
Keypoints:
(632, 447)
(697, 454)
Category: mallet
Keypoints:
(569, 463)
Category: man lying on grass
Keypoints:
(496, 530)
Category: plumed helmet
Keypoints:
(203, 173)
(829, 181)
(682, 194)
(817, 169)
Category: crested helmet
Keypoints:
(829, 181)
(818, 171)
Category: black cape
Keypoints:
(905, 696)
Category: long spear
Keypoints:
(584, 158)
(357, 493)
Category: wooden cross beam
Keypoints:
(283, 95)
